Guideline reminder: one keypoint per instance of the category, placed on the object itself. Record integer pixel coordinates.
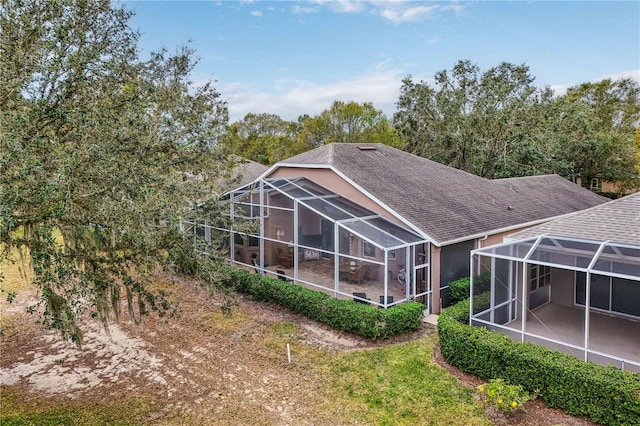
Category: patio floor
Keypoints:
(609, 334)
(320, 272)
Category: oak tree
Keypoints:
(102, 154)
(487, 123)
(348, 122)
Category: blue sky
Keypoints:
(297, 57)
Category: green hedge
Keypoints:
(607, 395)
(344, 315)
(459, 289)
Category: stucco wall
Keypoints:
(562, 281)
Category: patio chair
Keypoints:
(389, 300)
(281, 276)
(361, 298)
(285, 259)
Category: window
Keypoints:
(539, 276)
(368, 249)
(596, 184)
(392, 254)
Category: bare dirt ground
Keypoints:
(200, 365)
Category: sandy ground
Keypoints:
(201, 364)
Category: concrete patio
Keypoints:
(319, 275)
(613, 335)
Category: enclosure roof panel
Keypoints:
(355, 218)
(598, 257)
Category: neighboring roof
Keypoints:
(245, 171)
(617, 220)
(447, 204)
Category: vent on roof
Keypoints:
(367, 148)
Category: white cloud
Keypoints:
(343, 6)
(561, 89)
(396, 11)
(633, 74)
(433, 40)
(295, 98)
(408, 14)
(299, 9)
(256, 13)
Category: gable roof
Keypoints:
(244, 172)
(617, 221)
(447, 204)
(249, 170)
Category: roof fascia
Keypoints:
(263, 175)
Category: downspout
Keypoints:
(471, 292)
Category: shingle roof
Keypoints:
(445, 203)
(617, 221)
(244, 172)
(249, 171)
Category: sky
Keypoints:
(297, 57)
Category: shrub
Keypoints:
(344, 315)
(460, 289)
(605, 394)
(504, 397)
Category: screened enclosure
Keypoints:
(574, 295)
(299, 231)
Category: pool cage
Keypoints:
(299, 231)
(574, 295)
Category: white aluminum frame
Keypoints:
(526, 260)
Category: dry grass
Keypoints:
(204, 367)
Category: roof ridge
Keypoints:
(330, 153)
(524, 177)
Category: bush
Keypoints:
(460, 289)
(504, 397)
(344, 315)
(607, 395)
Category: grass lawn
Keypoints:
(400, 384)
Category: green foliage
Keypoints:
(102, 147)
(264, 138)
(348, 122)
(607, 395)
(504, 397)
(636, 142)
(460, 289)
(490, 124)
(498, 124)
(344, 315)
(596, 123)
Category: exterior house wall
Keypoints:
(562, 281)
(605, 186)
